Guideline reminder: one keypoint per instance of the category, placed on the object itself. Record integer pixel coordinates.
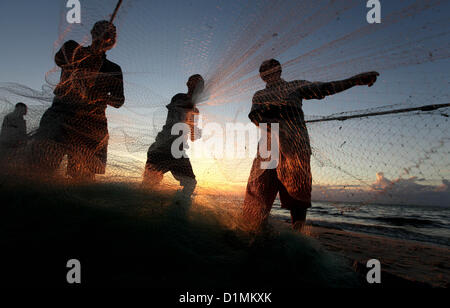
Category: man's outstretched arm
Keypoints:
(318, 90)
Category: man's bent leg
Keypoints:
(49, 144)
(76, 164)
(45, 157)
(262, 188)
(188, 185)
(297, 208)
(181, 170)
(153, 174)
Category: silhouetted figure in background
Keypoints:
(159, 156)
(14, 128)
(76, 123)
(281, 102)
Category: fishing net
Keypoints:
(368, 144)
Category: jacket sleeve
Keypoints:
(255, 114)
(116, 94)
(262, 111)
(319, 90)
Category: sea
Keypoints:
(426, 224)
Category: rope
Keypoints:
(372, 114)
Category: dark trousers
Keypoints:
(262, 189)
(159, 163)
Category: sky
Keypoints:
(161, 43)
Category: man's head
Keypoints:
(21, 109)
(195, 84)
(270, 71)
(104, 35)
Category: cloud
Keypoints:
(410, 191)
(400, 185)
(381, 183)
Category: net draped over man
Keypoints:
(160, 157)
(76, 125)
(281, 102)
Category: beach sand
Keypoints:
(426, 264)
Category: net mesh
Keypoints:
(390, 157)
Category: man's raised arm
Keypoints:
(318, 90)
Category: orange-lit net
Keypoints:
(402, 157)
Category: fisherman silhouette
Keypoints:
(281, 102)
(13, 140)
(160, 158)
(76, 123)
(14, 128)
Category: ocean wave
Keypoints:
(392, 232)
(406, 221)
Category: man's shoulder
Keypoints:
(68, 52)
(70, 46)
(11, 118)
(112, 66)
(259, 94)
(179, 96)
(180, 100)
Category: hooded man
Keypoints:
(160, 156)
(281, 102)
(76, 123)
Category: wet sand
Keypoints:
(414, 261)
